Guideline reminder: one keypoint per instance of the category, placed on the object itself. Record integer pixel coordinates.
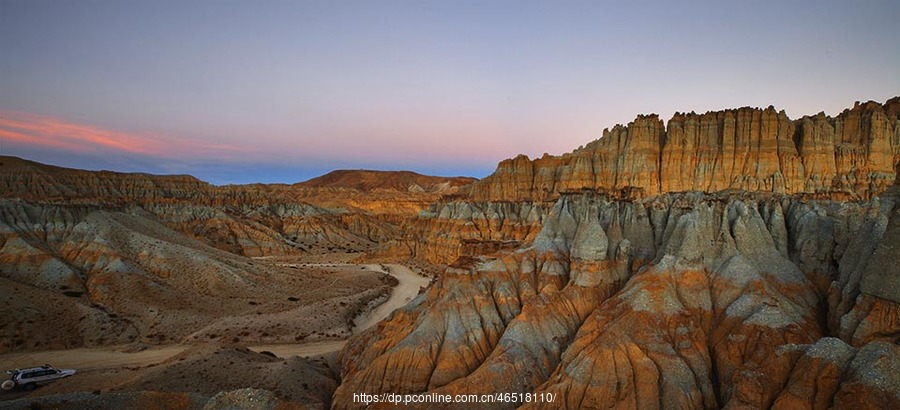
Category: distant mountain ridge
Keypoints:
(369, 180)
(360, 179)
(249, 220)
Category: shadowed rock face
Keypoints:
(849, 156)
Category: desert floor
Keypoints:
(101, 365)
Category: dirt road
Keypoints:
(91, 358)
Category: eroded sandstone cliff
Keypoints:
(690, 300)
(848, 156)
(729, 259)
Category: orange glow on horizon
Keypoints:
(50, 132)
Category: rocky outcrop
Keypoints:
(633, 295)
(831, 373)
(848, 156)
(678, 300)
(864, 300)
(449, 230)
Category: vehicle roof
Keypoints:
(28, 369)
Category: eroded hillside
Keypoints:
(101, 258)
(593, 277)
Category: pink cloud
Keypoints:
(50, 132)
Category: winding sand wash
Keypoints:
(405, 291)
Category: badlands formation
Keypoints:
(729, 259)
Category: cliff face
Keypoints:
(729, 259)
(690, 300)
(849, 156)
(449, 230)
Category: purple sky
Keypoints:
(282, 91)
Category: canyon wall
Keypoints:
(452, 229)
(848, 156)
(680, 300)
(731, 259)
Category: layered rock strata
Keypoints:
(848, 156)
(326, 214)
(679, 300)
(452, 229)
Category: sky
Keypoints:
(283, 91)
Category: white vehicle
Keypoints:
(29, 378)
